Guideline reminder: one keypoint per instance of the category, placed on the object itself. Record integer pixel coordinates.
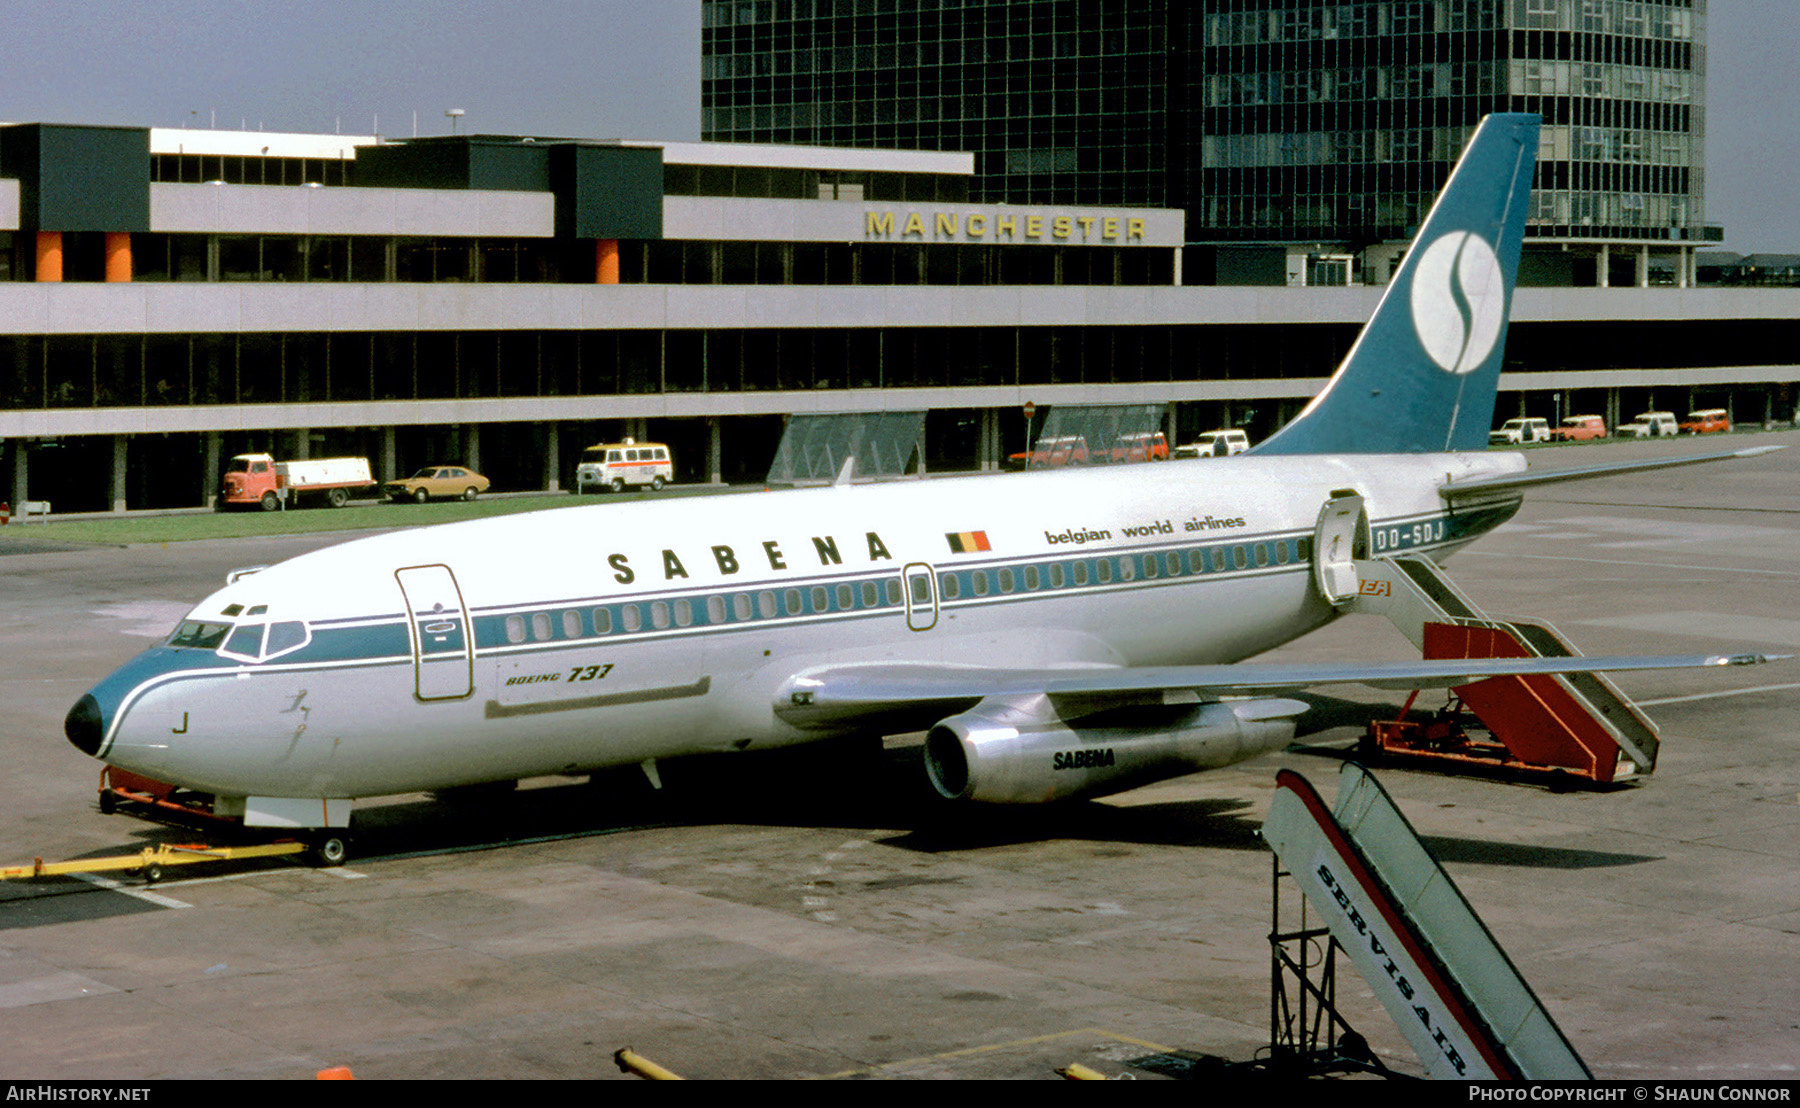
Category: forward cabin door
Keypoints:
(443, 664)
(1339, 538)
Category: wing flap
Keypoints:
(832, 696)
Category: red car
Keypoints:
(1580, 428)
(1706, 421)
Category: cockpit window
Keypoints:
(200, 634)
(284, 637)
(246, 641)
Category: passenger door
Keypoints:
(438, 622)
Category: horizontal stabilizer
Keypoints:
(1514, 482)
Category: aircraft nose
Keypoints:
(83, 725)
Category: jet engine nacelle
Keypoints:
(1011, 752)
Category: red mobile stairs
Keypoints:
(1569, 725)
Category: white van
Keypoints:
(1515, 432)
(614, 465)
(1216, 444)
(1650, 425)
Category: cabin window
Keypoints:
(1031, 578)
(1128, 567)
(1240, 557)
(1056, 576)
(1103, 570)
(979, 580)
(1196, 561)
(659, 614)
(540, 626)
(765, 605)
(871, 595)
(1281, 553)
(1218, 559)
(740, 606)
(602, 621)
(949, 586)
(1262, 554)
(893, 591)
(1006, 580)
(1080, 573)
(846, 598)
(515, 628)
(715, 609)
(684, 613)
(820, 601)
(630, 617)
(921, 589)
(1172, 561)
(791, 601)
(571, 622)
(1151, 569)
(1301, 547)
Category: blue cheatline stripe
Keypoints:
(968, 585)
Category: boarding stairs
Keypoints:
(1579, 724)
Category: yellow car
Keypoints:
(438, 481)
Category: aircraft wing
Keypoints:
(830, 696)
(1513, 482)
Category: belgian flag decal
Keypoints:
(968, 542)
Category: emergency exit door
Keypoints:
(443, 664)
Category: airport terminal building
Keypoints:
(169, 298)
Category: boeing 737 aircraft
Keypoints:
(1058, 633)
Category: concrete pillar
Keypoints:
(990, 440)
(215, 450)
(606, 261)
(302, 449)
(49, 256)
(715, 452)
(118, 256)
(552, 458)
(1603, 267)
(1684, 257)
(21, 467)
(388, 464)
(1612, 408)
(118, 473)
(1643, 266)
(1177, 280)
(472, 447)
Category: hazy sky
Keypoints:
(631, 69)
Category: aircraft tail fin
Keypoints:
(1423, 374)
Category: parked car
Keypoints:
(1515, 432)
(1650, 425)
(1706, 421)
(1215, 444)
(438, 481)
(1146, 446)
(1056, 450)
(1580, 428)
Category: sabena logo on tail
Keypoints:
(1422, 376)
(1458, 301)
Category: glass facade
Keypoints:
(1268, 121)
(1062, 101)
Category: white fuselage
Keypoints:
(568, 640)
